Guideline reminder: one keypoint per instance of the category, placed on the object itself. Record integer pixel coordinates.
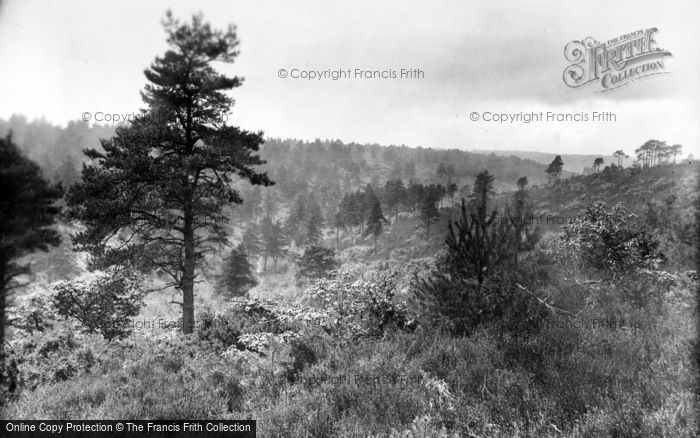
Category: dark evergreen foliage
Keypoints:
(27, 213)
(160, 187)
(475, 281)
(274, 241)
(317, 262)
(375, 221)
(237, 276)
(555, 169)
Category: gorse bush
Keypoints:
(359, 308)
(610, 239)
(381, 309)
(254, 324)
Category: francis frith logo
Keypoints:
(615, 63)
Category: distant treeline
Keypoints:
(293, 163)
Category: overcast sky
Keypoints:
(61, 59)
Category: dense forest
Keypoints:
(180, 268)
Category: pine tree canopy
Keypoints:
(154, 199)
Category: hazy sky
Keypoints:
(61, 59)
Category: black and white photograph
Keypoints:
(326, 218)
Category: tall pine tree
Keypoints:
(250, 241)
(27, 212)
(428, 212)
(154, 200)
(394, 196)
(314, 222)
(274, 241)
(375, 222)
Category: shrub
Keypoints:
(360, 308)
(252, 324)
(219, 329)
(34, 312)
(379, 308)
(300, 355)
(609, 239)
(103, 306)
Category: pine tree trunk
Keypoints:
(188, 274)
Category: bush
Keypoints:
(380, 309)
(219, 329)
(611, 240)
(33, 312)
(360, 308)
(103, 306)
(252, 324)
(301, 355)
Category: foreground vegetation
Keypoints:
(350, 357)
(571, 377)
